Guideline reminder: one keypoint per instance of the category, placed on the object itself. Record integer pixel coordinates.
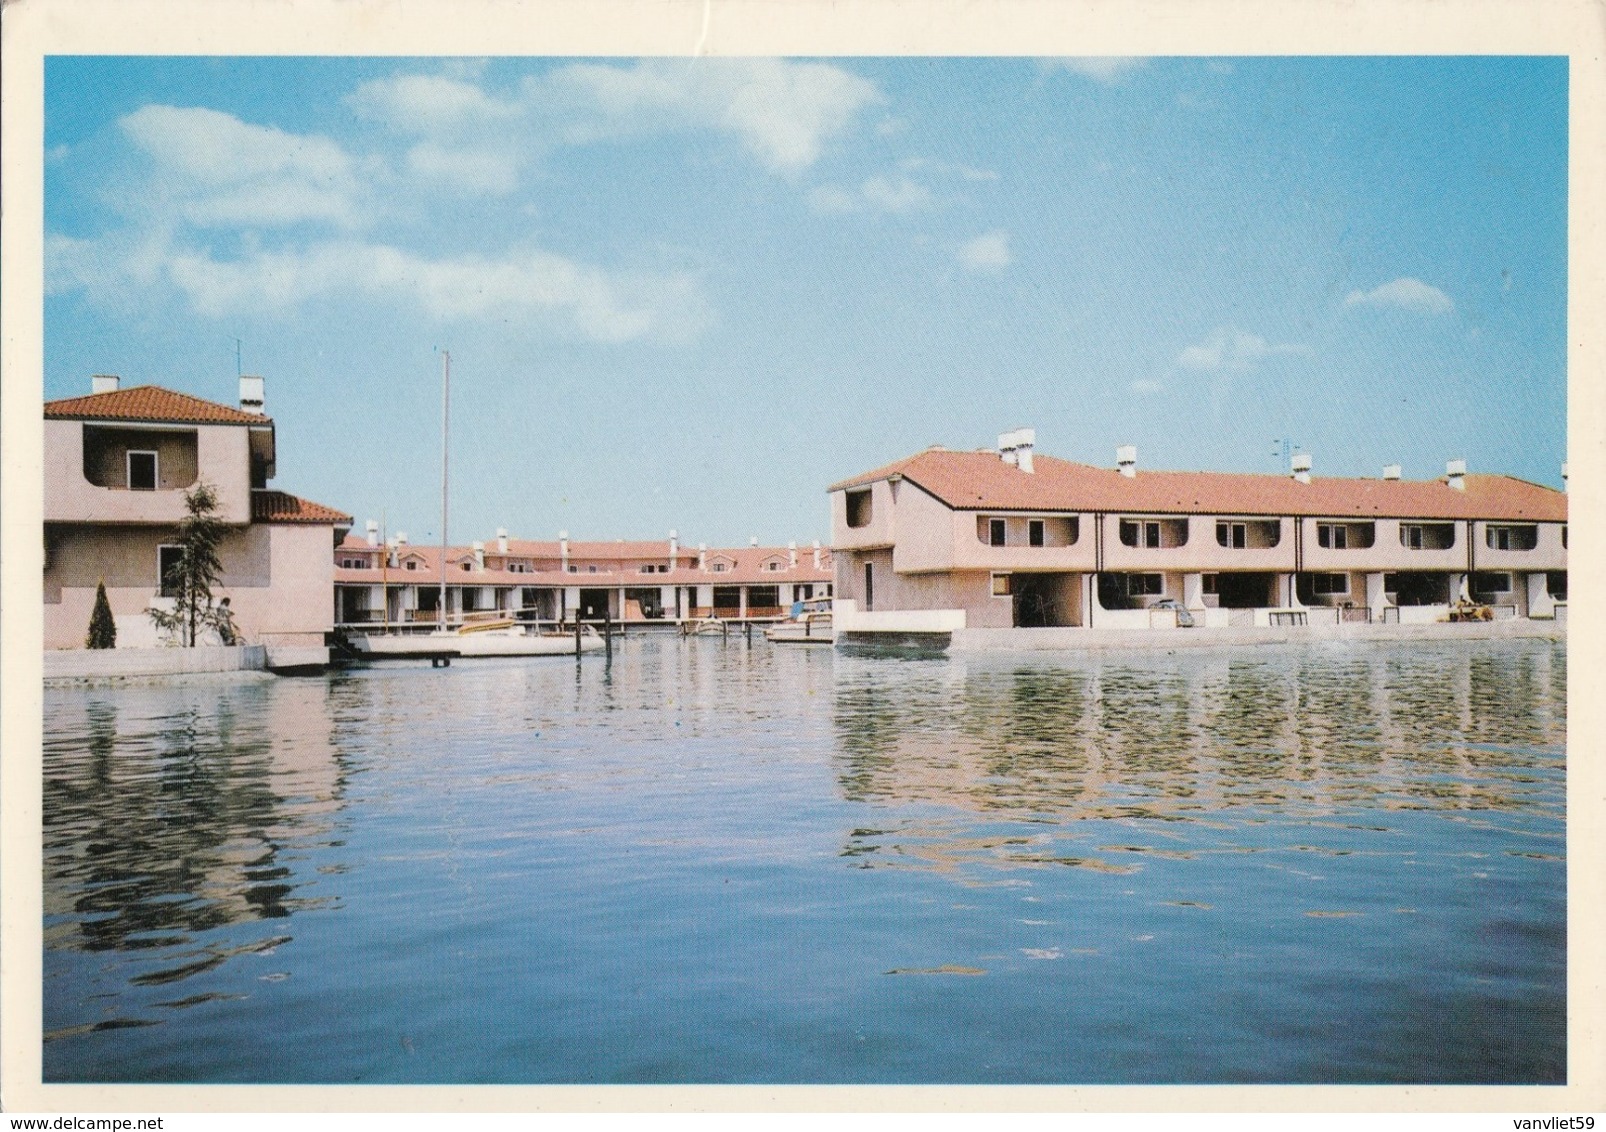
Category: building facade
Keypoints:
(1006, 538)
(118, 464)
(389, 584)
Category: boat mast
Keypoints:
(446, 393)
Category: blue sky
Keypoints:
(691, 294)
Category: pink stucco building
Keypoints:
(118, 463)
(1003, 538)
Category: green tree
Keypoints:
(102, 628)
(195, 570)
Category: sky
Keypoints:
(691, 294)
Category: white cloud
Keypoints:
(1405, 293)
(1106, 69)
(987, 252)
(427, 104)
(601, 305)
(1228, 348)
(876, 194)
(215, 169)
(472, 168)
(783, 112)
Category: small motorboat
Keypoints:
(810, 624)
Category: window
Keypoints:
(1329, 584)
(466, 566)
(772, 566)
(1556, 584)
(167, 559)
(142, 471)
(1209, 581)
(1232, 535)
(763, 597)
(1151, 535)
(1332, 536)
(1034, 532)
(719, 567)
(574, 569)
(995, 533)
(869, 586)
(591, 569)
(1491, 583)
(859, 508)
(1411, 537)
(1003, 585)
(1138, 585)
(1511, 538)
(354, 563)
(1427, 536)
(519, 568)
(1128, 532)
(412, 563)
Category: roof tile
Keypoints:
(150, 403)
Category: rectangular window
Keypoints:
(1034, 532)
(142, 471)
(1491, 583)
(1512, 538)
(1332, 536)
(1232, 535)
(1209, 581)
(995, 533)
(167, 558)
(859, 508)
(1151, 535)
(354, 563)
(1003, 585)
(1411, 537)
(1329, 584)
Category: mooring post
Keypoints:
(607, 632)
(577, 632)
(748, 627)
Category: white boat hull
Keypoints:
(489, 643)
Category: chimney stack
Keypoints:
(104, 383)
(1391, 471)
(479, 555)
(791, 550)
(1126, 458)
(251, 393)
(373, 533)
(401, 538)
(563, 550)
(753, 541)
(1455, 472)
(501, 540)
(674, 548)
(1300, 467)
(816, 554)
(1015, 448)
(702, 556)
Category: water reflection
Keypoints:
(171, 817)
(1116, 736)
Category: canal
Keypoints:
(714, 861)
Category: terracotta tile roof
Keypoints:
(282, 507)
(149, 403)
(981, 481)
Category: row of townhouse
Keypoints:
(1006, 538)
(394, 584)
(118, 464)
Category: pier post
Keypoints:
(607, 632)
(577, 632)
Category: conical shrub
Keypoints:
(102, 628)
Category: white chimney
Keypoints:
(1455, 472)
(1126, 458)
(479, 555)
(501, 540)
(753, 541)
(816, 554)
(791, 550)
(401, 538)
(1391, 471)
(702, 556)
(1300, 467)
(1025, 441)
(674, 548)
(104, 383)
(251, 393)
(563, 549)
(373, 533)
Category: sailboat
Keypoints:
(494, 633)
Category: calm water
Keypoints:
(708, 862)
